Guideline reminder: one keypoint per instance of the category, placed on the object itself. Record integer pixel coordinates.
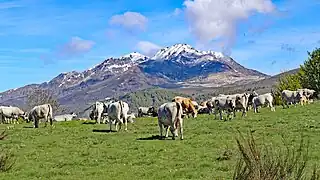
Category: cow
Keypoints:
(9, 114)
(224, 103)
(309, 93)
(241, 103)
(43, 111)
(131, 118)
(65, 117)
(99, 111)
(170, 116)
(145, 111)
(290, 97)
(203, 110)
(118, 111)
(251, 96)
(187, 105)
(261, 100)
(195, 104)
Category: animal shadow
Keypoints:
(89, 123)
(103, 130)
(28, 127)
(153, 137)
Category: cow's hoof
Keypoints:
(173, 138)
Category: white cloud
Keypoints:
(76, 46)
(130, 20)
(217, 19)
(148, 48)
(177, 11)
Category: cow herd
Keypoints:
(170, 115)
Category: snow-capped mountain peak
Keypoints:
(183, 49)
(135, 56)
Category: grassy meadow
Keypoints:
(77, 150)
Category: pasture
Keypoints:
(73, 150)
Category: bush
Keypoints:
(268, 164)
(6, 160)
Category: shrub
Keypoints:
(269, 164)
(6, 160)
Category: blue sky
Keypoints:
(40, 39)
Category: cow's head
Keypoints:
(74, 115)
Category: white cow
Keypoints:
(9, 114)
(65, 117)
(118, 111)
(262, 100)
(170, 115)
(290, 97)
(145, 111)
(43, 111)
(99, 111)
(131, 117)
(224, 103)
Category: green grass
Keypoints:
(72, 150)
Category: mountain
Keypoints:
(178, 66)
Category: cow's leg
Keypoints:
(125, 119)
(180, 128)
(99, 118)
(36, 122)
(110, 124)
(244, 112)
(220, 112)
(51, 121)
(173, 131)
(160, 128)
(167, 131)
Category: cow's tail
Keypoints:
(50, 114)
(179, 109)
(121, 109)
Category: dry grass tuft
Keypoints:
(271, 164)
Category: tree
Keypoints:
(44, 96)
(310, 71)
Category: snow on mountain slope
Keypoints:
(177, 66)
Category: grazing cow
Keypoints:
(290, 97)
(187, 105)
(9, 114)
(309, 93)
(145, 111)
(43, 111)
(170, 116)
(65, 117)
(203, 110)
(224, 103)
(195, 104)
(262, 100)
(131, 118)
(118, 111)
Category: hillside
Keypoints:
(208, 151)
(175, 67)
